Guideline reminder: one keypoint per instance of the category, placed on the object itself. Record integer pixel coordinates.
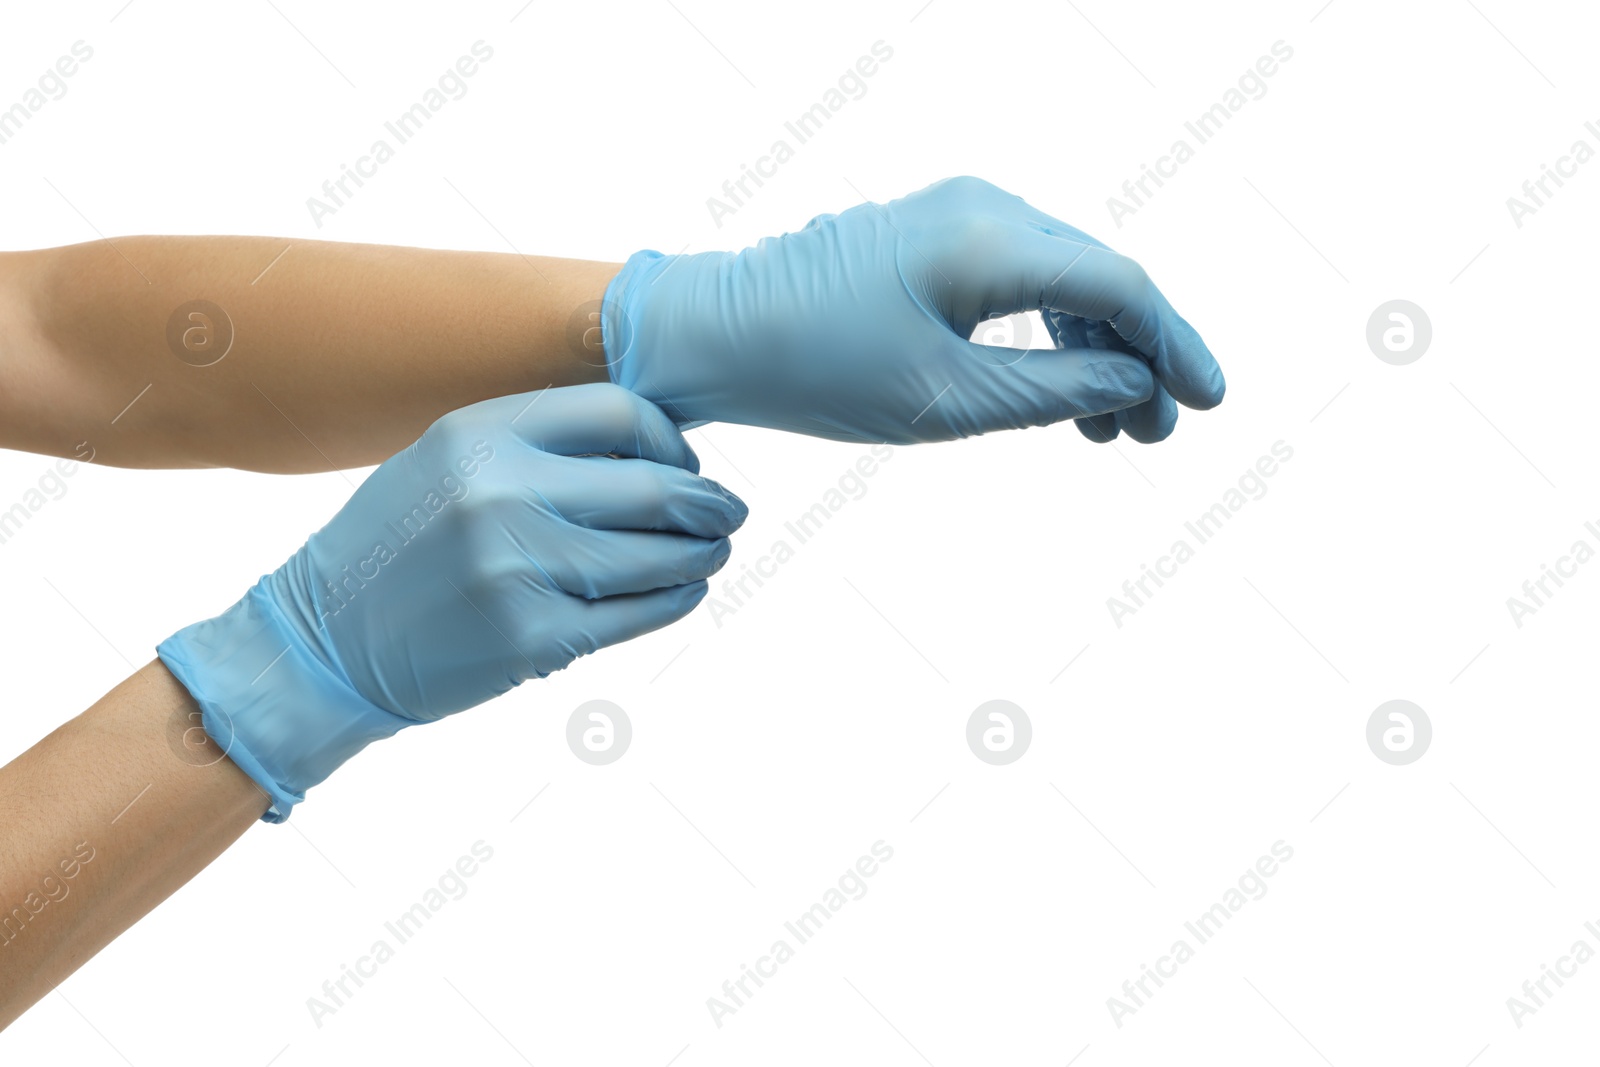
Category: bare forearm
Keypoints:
(326, 355)
(104, 819)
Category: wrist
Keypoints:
(570, 320)
(662, 333)
(279, 710)
(620, 309)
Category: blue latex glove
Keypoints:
(857, 327)
(500, 547)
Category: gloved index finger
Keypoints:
(1090, 280)
(628, 494)
(598, 419)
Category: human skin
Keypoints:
(337, 355)
(132, 783)
(341, 354)
(584, 527)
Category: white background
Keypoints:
(829, 712)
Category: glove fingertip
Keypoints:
(1101, 429)
(1125, 379)
(691, 458)
(690, 594)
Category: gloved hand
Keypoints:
(501, 546)
(856, 328)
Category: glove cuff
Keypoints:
(629, 361)
(273, 707)
(619, 318)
